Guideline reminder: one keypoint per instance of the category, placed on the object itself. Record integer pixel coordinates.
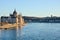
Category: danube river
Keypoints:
(33, 31)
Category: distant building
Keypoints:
(0, 19)
(10, 19)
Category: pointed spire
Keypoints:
(14, 11)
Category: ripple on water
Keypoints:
(33, 31)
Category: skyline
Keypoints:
(30, 7)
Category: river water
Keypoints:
(33, 31)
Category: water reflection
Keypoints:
(11, 34)
(33, 31)
(18, 34)
(8, 35)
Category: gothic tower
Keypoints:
(15, 13)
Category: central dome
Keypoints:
(15, 12)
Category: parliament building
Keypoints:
(11, 18)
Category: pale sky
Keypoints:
(30, 7)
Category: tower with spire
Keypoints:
(15, 13)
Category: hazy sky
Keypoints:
(30, 7)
